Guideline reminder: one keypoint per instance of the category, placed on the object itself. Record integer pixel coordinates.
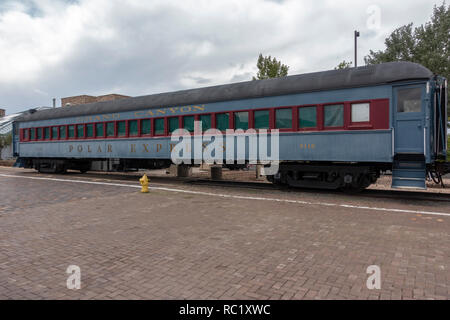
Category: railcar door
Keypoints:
(409, 168)
(409, 118)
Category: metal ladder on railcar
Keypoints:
(409, 171)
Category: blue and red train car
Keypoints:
(338, 128)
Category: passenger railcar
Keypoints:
(338, 129)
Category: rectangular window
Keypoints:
(360, 112)
(409, 100)
(133, 127)
(307, 117)
(47, 133)
(62, 132)
(110, 129)
(222, 121)
(241, 120)
(188, 123)
(71, 132)
(159, 126)
(174, 123)
(32, 133)
(89, 130)
(39, 133)
(121, 128)
(206, 121)
(283, 118)
(262, 119)
(334, 115)
(80, 131)
(55, 133)
(99, 130)
(26, 134)
(145, 126)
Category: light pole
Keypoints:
(356, 48)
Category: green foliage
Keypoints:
(5, 140)
(428, 44)
(269, 67)
(343, 65)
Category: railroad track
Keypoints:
(368, 193)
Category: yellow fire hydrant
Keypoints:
(144, 183)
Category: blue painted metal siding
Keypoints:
(358, 145)
(370, 146)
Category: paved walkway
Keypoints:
(169, 245)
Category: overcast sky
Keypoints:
(59, 48)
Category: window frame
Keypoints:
(86, 130)
(140, 127)
(317, 127)
(254, 120)
(177, 118)
(125, 135)
(96, 136)
(230, 120)
(128, 128)
(65, 132)
(57, 133)
(165, 130)
(344, 116)
(293, 114)
(361, 125)
(106, 130)
(41, 130)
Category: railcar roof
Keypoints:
(309, 82)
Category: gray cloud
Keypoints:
(56, 49)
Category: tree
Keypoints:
(343, 65)
(5, 140)
(428, 44)
(269, 67)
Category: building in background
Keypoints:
(2, 113)
(82, 99)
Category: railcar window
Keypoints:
(334, 115)
(133, 127)
(409, 100)
(32, 134)
(39, 133)
(188, 123)
(110, 129)
(159, 126)
(80, 131)
(360, 112)
(222, 121)
(89, 130)
(307, 117)
(241, 120)
(54, 133)
(173, 124)
(121, 128)
(206, 121)
(262, 119)
(25, 134)
(145, 126)
(71, 131)
(283, 118)
(99, 130)
(62, 132)
(46, 133)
